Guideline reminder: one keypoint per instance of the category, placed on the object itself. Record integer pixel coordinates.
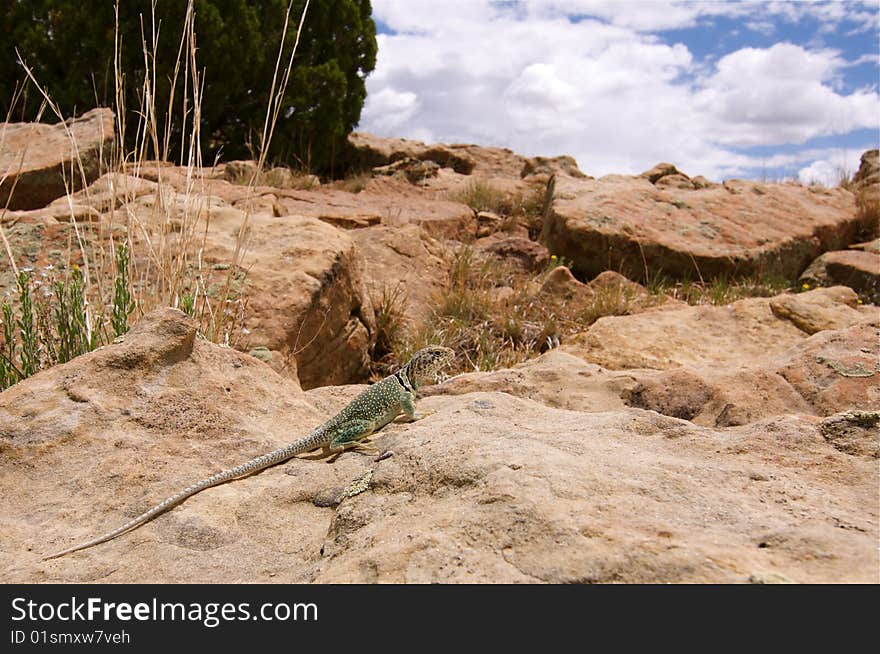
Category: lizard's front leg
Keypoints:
(407, 403)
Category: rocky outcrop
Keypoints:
(38, 162)
(868, 174)
(858, 269)
(746, 332)
(404, 269)
(490, 488)
(563, 165)
(672, 228)
(365, 152)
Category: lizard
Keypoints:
(374, 408)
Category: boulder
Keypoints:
(563, 165)
(635, 227)
(490, 488)
(831, 308)
(857, 268)
(303, 279)
(406, 262)
(365, 152)
(744, 332)
(40, 160)
(868, 173)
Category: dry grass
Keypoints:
(354, 182)
(525, 207)
(721, 289)
(164, 237)
(495, 315)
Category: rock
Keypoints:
(742, 228)
(439, 218)
(491, 488)
(37, 158)
(675, 181)
(868, 173)
(690, 335)
(831, 308)
(403, 261)
(679, 393)
(365, 151)
(701, 182)
(868, 246)
(837, 370)
(830, 372)
(488, 223)
(856, 268)
(560, 282)
(563, 165)
(526, 253)
(854, 432)
(410, 169)
(660, 171)
(555, 378)
(744, 332)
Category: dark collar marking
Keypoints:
(404, 381)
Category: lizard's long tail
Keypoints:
(245, 469)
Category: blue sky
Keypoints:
(723, 89)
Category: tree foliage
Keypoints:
(70, 48)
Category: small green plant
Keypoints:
(123, 304)
(555, 261)
(48, 320)
(188, 304)
(9, 373)
(30, 354)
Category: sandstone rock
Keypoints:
(528, 254)
(675, 181)
(406, 261)
(365, 151)
(858, 269)
(742, 228)
(868, 246)
(832, 371)
(439, 218)
(413, 170)
(868, 173)
(837, 370)
(701, 182)
(831, 308)
(561, 283)
(37, 158)
(660, 171)
(490, 488)
(563, 165)
(744, 332)
(854, 432)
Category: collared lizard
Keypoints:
(367, 413)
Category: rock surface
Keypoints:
(36, 158)
(743, 332)
(858, 269)
(631, 225)
(490, 488)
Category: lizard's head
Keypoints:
(427, 362)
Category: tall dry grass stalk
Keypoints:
(164, 238)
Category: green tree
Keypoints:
(69, 45)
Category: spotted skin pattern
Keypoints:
(367, 413)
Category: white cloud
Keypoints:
(829, 167)
(529, 77)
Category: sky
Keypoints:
(758, 90)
